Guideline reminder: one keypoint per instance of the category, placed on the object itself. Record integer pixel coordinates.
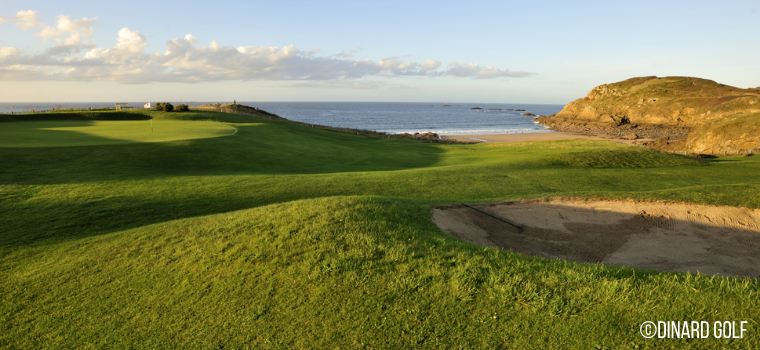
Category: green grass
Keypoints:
(284, 236)
(70, 133)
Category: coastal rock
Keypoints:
(658, 143)
(612, 129)
(529, 114)
(630, 137)
(427, 135)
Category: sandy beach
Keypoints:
(535, 136)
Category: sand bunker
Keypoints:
(671, 237)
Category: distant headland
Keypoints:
(677, 114)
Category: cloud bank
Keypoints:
(74, 56)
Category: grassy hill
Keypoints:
(665, 101)
(694, 112)
(278, 235)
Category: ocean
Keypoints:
(391, 117)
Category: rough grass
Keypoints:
(737, 126)
(677, 87)
(283, 236)
(339, 271)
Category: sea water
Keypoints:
(391, 117)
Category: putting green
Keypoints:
(87, 133)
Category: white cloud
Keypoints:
(459, 69)
(75, 29)
(347, 54)
(75, 58)
(3, 20)
(430, 65)
(129, 48)
(8, 52)
(26, 20)
(347, 84)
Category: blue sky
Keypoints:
(417, 51)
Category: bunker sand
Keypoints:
(669, 237)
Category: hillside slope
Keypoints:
(674, 113)
(284, 236)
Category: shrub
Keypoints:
(164, 106)
(182, 107)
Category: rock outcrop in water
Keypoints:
(426, 136)
(672, 113)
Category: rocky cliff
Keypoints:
(671, 113)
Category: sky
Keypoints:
(548, 52)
